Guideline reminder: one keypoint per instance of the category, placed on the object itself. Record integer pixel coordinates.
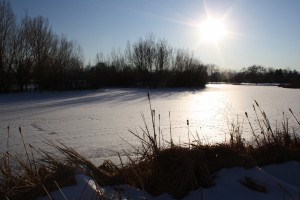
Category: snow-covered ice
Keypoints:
(96, 122)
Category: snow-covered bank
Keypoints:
(280, 181)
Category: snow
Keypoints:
(281, 181)
(95, 122)
(85, 188)
(292, 175)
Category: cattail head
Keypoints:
(153, 112)
(20, 130)
(187, 122)
(246, 114)
(256, 103)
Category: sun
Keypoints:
(212, 30)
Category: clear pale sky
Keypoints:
(265, 32)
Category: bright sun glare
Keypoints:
(212, 30)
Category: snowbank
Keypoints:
(280, 181)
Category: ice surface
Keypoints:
(96, 122)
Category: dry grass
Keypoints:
(156, 168)
(273, 144)
(30, 178)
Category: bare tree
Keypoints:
(39, 35)
(255, 73)
(143, 53)
(7, 27)
(163, 55)
(66, 59)
(149, 48)
(137, 56)
(118, 59)
(179, 60)
(128, 55)
(21, 57)
(99, 58)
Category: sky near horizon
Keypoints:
(264, 32)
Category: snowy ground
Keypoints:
(96, 122)
(281, 181)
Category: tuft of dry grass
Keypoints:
(30, 178)
(273, 144)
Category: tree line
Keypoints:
(147, 63)
(32, 56)
(255, 74)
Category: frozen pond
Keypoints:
(96, 123)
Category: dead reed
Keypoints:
(30, 178)
(273, 144)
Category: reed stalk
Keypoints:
(28, 159)
(294, 116)
(259, 123)
(171, 137)
(255, 136)
(188, 126)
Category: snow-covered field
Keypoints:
(96, 122)
(281, 181)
